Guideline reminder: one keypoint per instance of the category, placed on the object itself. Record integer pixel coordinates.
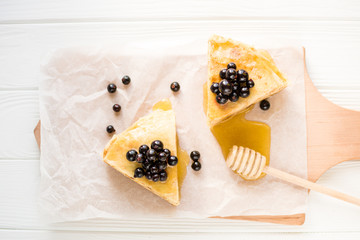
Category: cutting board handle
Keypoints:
(333, 132)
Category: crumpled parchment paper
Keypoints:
(75, 109)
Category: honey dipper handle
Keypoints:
(310, 185)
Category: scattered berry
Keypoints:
(242, 74)
(155, 177)
(244, 92)
(163, 176)
(139, 173)
(235, 88)
(148, 175)
(151, 155)
(116, 108)
(146, 165)
(196, 165)
(175, 86)
(221, 99)
(161, 165)
(131, 155)
(162, 157)
(231, 74)
(167, 152)
(111, 88)
(215, 88)
(250, 83)
(173, 160)
(231, 65)
(195, 155)
(154, 169)
(235, 83)
(242, 81)
(140, 158)
(222, 74)
(157, 145)
(265, 105)
(126, 80)
(234, 96)
(110, 129)
(225, 87)
(143, 149)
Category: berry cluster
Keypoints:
(233, 85)
(154, 161)
(116, 107)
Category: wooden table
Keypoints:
(330, 31)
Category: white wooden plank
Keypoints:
(111, 10)
(18, 208)
(333, 52)
(19, 113)
(18, 192)
(80, 235)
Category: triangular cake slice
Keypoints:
(157, 125)
(258, 63)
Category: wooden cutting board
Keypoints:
(333, 136)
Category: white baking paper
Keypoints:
(76, 108)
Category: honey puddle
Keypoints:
(182, 155)
(164, 104)
(237, 130)
(241, 132)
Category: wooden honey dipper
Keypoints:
(249, 164)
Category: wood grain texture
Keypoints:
(88, 235)
(19, 111)
(20, 11)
